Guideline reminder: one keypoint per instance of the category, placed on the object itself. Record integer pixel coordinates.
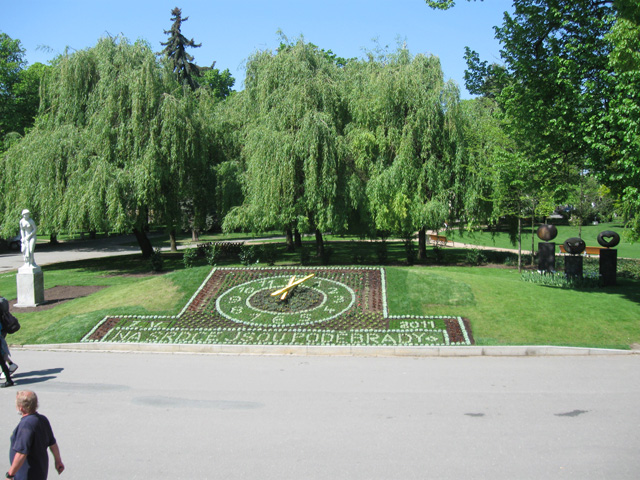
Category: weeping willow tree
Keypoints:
(295, 169)
(406, 140)
(117, 146)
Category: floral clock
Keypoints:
(317, 300)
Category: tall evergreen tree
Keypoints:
(175, 50)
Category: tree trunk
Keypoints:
(319, 244)
(93, 234)
(172, 241)
(519, 244)
(422, 244)
(297, 238)
(53, 239)
(144, 242)
(195, 235)
(533, 238)
(290, 246)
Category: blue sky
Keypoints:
(230, 31)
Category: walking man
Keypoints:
(30, 440)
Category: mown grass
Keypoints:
(131, 289)
(500, 239)
(503, 309)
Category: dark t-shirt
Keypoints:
(32, 437)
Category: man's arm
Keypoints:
(56, 456)
(18, 461)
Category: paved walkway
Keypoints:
(186, 416)
(46, 254)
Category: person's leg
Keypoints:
(7, 374)
(4, 348)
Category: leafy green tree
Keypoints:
(500, 171)
(19, 90)
(589, 202)
(27, 94)
(175, 50)
(556, 54)
(571, 89)
(220, 83)
(616, 134)
(405, 139)
(11, 64)
(295, 177)
(117, 146)
(482, 78)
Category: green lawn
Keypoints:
(504, 310)
(131, 290)
(626, 248)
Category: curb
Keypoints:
(353, 351)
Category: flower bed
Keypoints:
(338, 306)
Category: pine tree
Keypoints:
(175, 51)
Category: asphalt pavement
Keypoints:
(194, 416)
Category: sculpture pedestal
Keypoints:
(30, 286)
(547, 256)
(573, 266)
(608, 266)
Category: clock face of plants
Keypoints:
(315, 300)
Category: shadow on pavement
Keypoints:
(35, 376)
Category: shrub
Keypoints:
(327, 252)
(304, 256)
(628, 268)
(358, 259)
(269, 254)
(410, 250)
(475, 257)
(156, 260)
(212, 254)
(560, 279)
(438, 255)
(189, 257)
(382, 253)
(248, 255)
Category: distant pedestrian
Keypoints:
(30, 440)
(6, 353)
(5, 371)
(4, 347)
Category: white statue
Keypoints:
(28, 234)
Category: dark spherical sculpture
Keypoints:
(574, 245)
(547, 232)
(608, 239)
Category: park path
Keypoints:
(47, 254)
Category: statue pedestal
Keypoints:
(573, 266)
(608, 266)
(30, 286)
(547, 256)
